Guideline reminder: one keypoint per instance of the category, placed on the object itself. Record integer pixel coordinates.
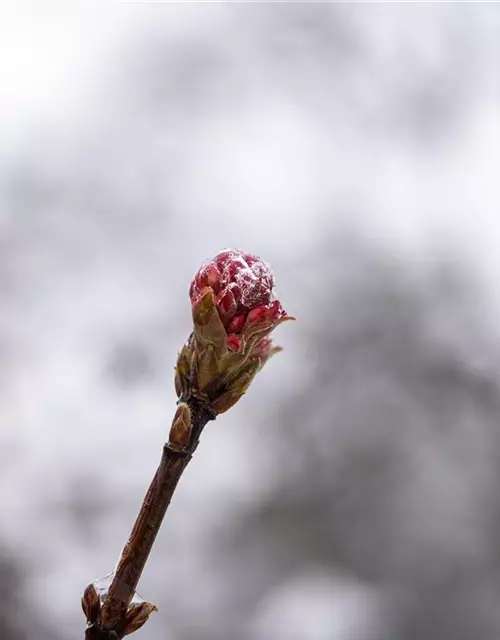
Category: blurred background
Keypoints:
(354, 493)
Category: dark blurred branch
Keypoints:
(115, 616)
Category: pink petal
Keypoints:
(257, 315)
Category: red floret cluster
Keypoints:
(242, 286)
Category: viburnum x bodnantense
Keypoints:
(234, 311)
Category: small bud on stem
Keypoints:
(234, 311)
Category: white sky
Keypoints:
(49, 55)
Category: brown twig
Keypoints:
(115, 617)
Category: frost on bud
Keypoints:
(234, 311)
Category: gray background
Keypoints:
(353, 494)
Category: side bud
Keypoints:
(137, 616)
(180, 431)
(91, 604)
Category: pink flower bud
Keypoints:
(257, 315)
(226, 302)
(233, 342)
(243, 286)
(234, 311)
(236, 324)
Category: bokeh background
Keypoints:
(354, 493)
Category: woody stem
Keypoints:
(148, 522)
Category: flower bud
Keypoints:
(234, 311)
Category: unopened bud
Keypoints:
(137, 616)
(180, 431)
